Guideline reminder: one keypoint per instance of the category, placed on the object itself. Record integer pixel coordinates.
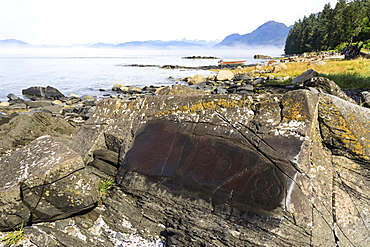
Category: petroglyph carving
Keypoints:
(162, 149)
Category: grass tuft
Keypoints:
(105, 184)
(12, 238)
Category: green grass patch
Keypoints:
(106, 184)
(12, 238)
(348, 74)
(349, 80)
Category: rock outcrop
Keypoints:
(43, 93)
(282, 169)
(258, 56)
(271, 170)
(44, 181)
(24, 128)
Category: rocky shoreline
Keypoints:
(225, 160)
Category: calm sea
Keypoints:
(85, 71)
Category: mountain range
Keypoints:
(269, 34)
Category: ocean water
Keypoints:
(85, 71)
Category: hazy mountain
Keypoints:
(158, 44)
(150, 44)
(13, 42)
(271, 33)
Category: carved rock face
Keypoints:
(218, 149)
(163, 148)
(262, 170)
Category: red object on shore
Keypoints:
(232, 62)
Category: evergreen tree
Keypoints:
(348, 22)
(324, 27)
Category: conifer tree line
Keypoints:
(347, 22)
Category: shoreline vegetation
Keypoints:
(348, 74)
(345, 23)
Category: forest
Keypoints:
(332, 28)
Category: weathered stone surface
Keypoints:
(46, 236)
(178, 90)
(105, 161)
(196, 79)
(189, 143)
(365, 98)
(57, 103)
(38, 103)
(133, 89)
(349, 134)
(102, 166)
(100, 227)
(23, 129)
(224, 75)
(117, 87)
(43, 93)
(324, 85)
(6, 107)
(12, 210)
(239, 164)
(305, 76)
(106, 155)
(46, 179)
(52, 109)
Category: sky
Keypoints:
(68, 22)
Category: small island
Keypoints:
(200, 57)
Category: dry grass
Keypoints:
(346, 73)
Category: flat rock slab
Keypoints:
(46, 179)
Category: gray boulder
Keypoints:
(366, 98)
(43, 93)
(324, 85)
(196, 79)
(261, 57)
(225, 75)
(24, 128)
(44, 181)
(305, 76)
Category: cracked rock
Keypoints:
(44, 181)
